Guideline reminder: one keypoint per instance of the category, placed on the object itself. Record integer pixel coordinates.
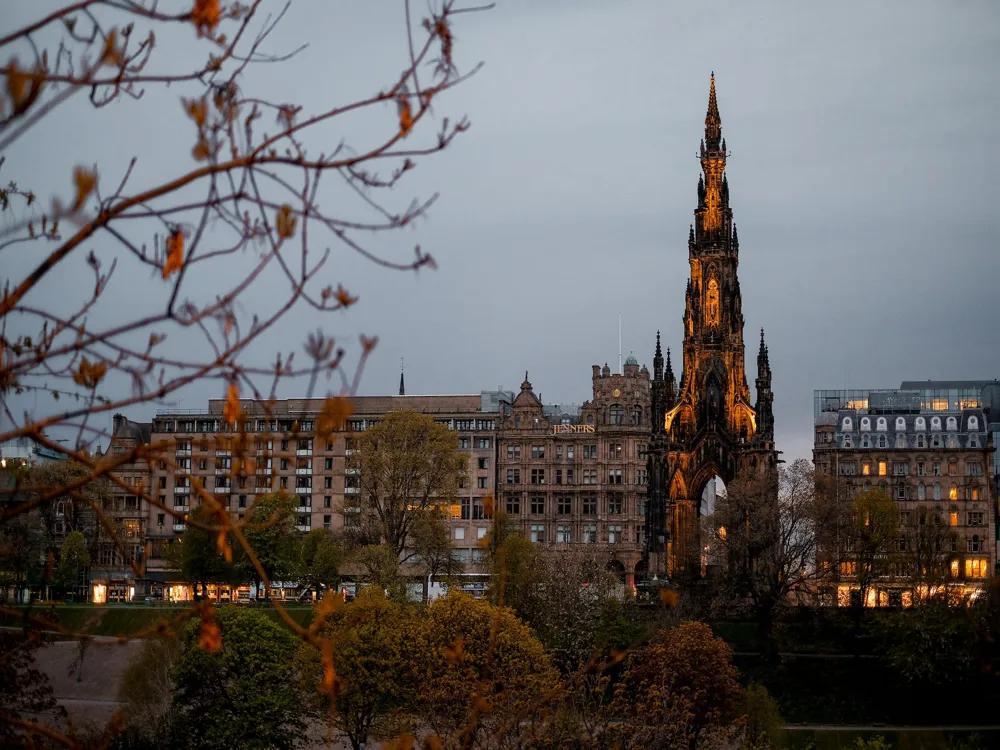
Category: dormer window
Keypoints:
(881, 441)
(900, 440)
(900, 424)
(973, 440)
(921, 441)
(848, 425)
(866, 442)
(973, 423)
(847, 441)
(952, 424)
(920, 424)
(866, 424)
(881, 424)
(935, 423)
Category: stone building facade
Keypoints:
(931, 455)
(578, 476)
(288, 456)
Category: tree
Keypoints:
(928, 546)
(218, 240)
(146, 690)
(379, 568)
(678, 690)
(376, 649)
(873, 534)
(317, 559)
(270, 532)
(407, 465)
(432, 547)
(765, 530)
(21, 551)
(235, 683)
(513, 564)
(25, 691)
(73, 557)
(202, 562)
(487, 675)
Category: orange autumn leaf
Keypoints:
(89, 374)
(285, 222)
(231, 411)
(405, 114)
(206, 15)
(336, 410)
(175, 253)
(210, 637)
(344, 297)
(85, 181)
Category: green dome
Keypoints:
(631, 360)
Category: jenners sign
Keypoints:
(560, 429)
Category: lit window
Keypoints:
(975, 568)
(866, 468)
(954, 568)
(953, 493)
(954, 518)
(881, 468)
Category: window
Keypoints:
(882, 468)
(866, 424)
(537, 532)
(537, 451)
(481, 483)
(920, 468)
(920, 424)
(615, 451)
(615, 504)
(975, 518)
(590, 476)
(569, 476)
(974, 544)
(847, 441)
(921, 492)
(973, 493)
(936, 441)
(459, 533)
(975, 568)
(483, 443)
(866, 468)
(513, 452)
(163, 483)
(900, 424)
(640, 476)
(921, 441)
(559, 451)
(937, 468)
(614, 476)
(953, 518)
(616, 414)
(569, 452)
(538, 476)
(538, 505)
(328, 483)
(953, 492)
(463, 443)
(589, 506)
(161, 518)
(327, 522)
(615, 534)
(951, 424)
(900, 468)
(866, 441)
(973, 423)
(513, 505)
(848, 469)
(973, 468)
(283, 465)
(559, 476)
(563, 534)
(901, 492)
(847, 425)
(328, 464)
(466, 509)
(881, 425)
(327, 501)
(564, 505)
(937, 490)
(935, 423)
(590, 451)
(589, 535)
(478, 510)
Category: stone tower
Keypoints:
(705, 425)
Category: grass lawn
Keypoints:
(117, 620)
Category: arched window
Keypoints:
(935, 423)
(847, 441)
(973, 423)
(636, 416)
(952, 442)
(712, 300)
(937, 490)
(921, 441)
(900, 424)
(900, 440)
(617, 414)
(590, 419)
(866, 424)
(920, 424)
(973, 440)
(881, 424)
(867, 486)
(866, 442)
(517, 421)
(921, 492)
(952, 423)
(881, 441)
(953, 492)
(848, 425)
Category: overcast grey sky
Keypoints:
(862, 179)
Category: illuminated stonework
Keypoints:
(705, 425)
